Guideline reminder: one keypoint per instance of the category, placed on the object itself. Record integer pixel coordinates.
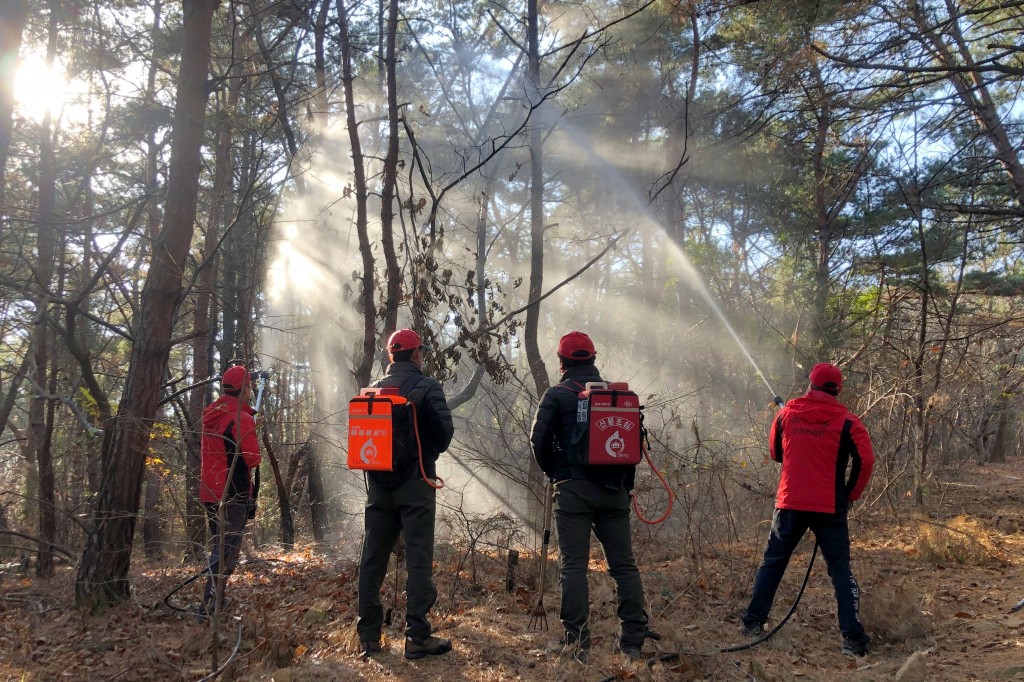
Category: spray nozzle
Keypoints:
(779, 401)
(264, 376)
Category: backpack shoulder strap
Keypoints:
(407, 387)
(573, 386)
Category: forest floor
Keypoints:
(937, 592)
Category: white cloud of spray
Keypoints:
(642, 331)
(311, 323)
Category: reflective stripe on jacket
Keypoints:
(817, 440)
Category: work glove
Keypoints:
(252, 509)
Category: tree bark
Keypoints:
(13, 15)
(1001, 439)
(393, 291)
(103, 570)
(12, 391)
(152, 524)
(204, 321)
(366, 296)
(922, 406)
(318, 512)
(823, 224)
(287, 524)
(41, 409)
(537, 367)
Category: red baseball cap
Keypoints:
(576, 346)
(404, 339)
(234, 378)
(827, 376)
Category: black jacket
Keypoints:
(553, 426)
(433, 415)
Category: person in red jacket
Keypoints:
(231, 455)
(827, 459)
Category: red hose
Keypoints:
(671, 497)
(419, 450)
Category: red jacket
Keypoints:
(220, 435)
(817, 439)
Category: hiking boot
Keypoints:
(209, 604)
(203, 611)
(368, 649)
(752, 630)
(577, 653)
(630, 651)
(854, 647)
(427, 646)
(199, 613)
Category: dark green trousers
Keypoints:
(409, 510)
(579, 507)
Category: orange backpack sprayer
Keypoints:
(371, 429)
(382, 428)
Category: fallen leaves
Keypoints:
(298, 614)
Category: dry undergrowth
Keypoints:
(942, 585)
(961, 541)
(895, 612)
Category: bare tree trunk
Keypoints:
(234, 262)
(320, 66)
(1001, 439)
(366, 296)
(823, 225)
(47, 487)
(287, 525)
(152, 524)
(537, 367)
(13, 15)
(318, 511)
(12, 390)
(151, 535)
(103, 570)
(387, 198)
(283, 110)
(922, 405)
(40, 427)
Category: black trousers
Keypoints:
(408, 509)
(833, 535)
(582, 506)
(224, 558)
